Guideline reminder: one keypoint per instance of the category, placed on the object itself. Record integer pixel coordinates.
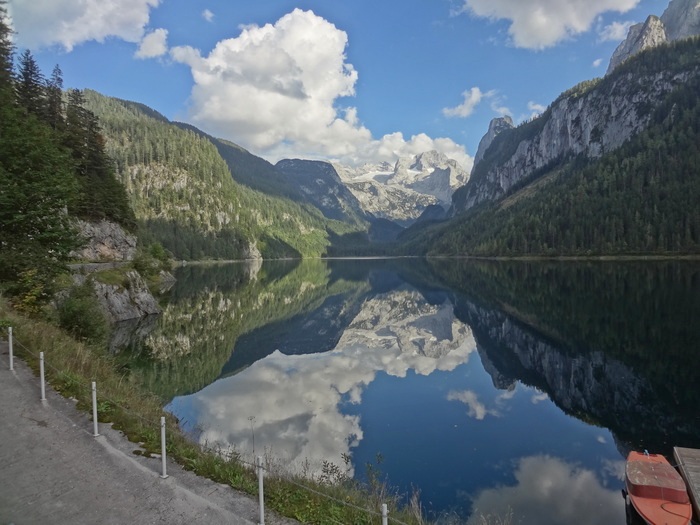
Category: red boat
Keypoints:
(656, 490)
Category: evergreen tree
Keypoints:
(30, 85)
(54, 100)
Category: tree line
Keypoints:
(53, 169)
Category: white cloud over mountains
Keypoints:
(278, 90)
(67, 23)
(153, 45)
(538, 24)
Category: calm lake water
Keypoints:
(487, 386)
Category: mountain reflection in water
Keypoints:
(487, 386)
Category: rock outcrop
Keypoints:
(131, 301)
(105, 241)
(640, 37)
(496, 126)
(681, 19)
(588, 121)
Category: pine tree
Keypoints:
(54, 100)
(30, 85)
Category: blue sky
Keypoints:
(349, 80)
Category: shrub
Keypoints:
(81, 314)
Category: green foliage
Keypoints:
(639, 199)
(81, 314)
(185, 197)
(149, 261)
(50, 168)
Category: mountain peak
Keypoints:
(681, 19)
(496, 126)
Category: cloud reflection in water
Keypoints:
(289, 406)
(551, 492)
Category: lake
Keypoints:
(489, 387)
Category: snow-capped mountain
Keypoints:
(403, 191)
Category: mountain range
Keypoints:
(201, 196)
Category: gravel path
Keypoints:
(53, 471)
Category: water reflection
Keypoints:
(479, 383)
(290, 406)
(549, 491)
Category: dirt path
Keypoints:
(52, 470)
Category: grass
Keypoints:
(72, 366)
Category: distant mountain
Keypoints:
(403, 191)
(203, 198)
(320, 184)
(680, 20)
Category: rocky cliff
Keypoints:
(105, 241)
(680, 20)
(131, 301)
(588, 120)
(640, 37)
(496, 126)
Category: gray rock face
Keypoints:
(129, 302)
(106, 241)
(320, 184)
(496, 126)
(640, 37)
(590, 124)
(402, 192)
(681, 19)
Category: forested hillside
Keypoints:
(53, 170)
(641, 198)
(184, 196)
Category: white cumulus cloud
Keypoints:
(207, 15)
(278, 90)
(154, 44)
(614, 32)
(538, 24)
(597, 62)
(42, 23)
(472, 98)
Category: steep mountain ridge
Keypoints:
(184, 196)
(681, 19)
(320, 183)
(589, 120)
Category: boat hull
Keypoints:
(656, 490)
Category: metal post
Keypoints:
(162, 446)
(94, 410)
(385, 514)
(41, 373)
(261, 496)
(9, 340)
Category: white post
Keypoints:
(94, 410)
(261, 496)
(9, 340)
(385, 514)
(41, 373)
(162, 446)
